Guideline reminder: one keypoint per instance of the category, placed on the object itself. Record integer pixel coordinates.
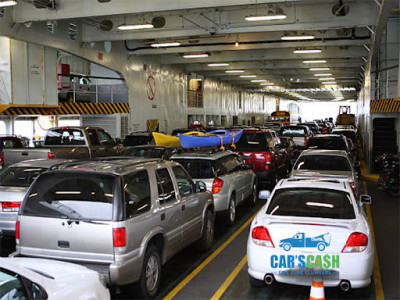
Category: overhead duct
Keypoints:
(158, 22)
(106, 25)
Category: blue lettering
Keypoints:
(302, 263)
(290, 261)
(282, 262)
(274, 261)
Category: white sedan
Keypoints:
(33, 278)
(311, 228)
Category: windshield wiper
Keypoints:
(76, 221)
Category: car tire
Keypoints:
(207, 239)
(321, 246)
(150, 277)
(231, 213)
(254, 195)
(255, 282)
(286, 246)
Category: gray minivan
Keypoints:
(121, 217)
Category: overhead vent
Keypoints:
(158, 22)
(341, 9)
(106, 25)
(50, 4)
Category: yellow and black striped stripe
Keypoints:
(385, 106)
(23, 110)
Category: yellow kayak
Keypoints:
(167, 140)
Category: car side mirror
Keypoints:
(265, 194)
(357, 164)
(118, 141)
(200, 187)
(366, 199)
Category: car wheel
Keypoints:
(207, 239)
(287, 246)
(255, 282)
(321, 247)
(254, 195)
(231, 216)
(149, 281)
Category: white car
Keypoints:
(311, 227)
(34, 278)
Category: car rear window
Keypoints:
(322, 163)
(65, 137)
(327, 143)
(197, 168)
(84, 196)
(19, 176)
(253, 141)
(144, 152)
(349, 134)
(311, 203)
(293, 131)
(136, 140)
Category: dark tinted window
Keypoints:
(197, 168)
(166, 191)
(293, 131)
(327, 143)
(10, 143)
(94, 138)
(71, 195)
(137, 194)
(323, 163)
(185, 183)
(253, 141)
(105, 138)
(11, 286)
(136, 140)
(144, 152)
(19, 176)
(65, 137)
(349, 134)
(313, 203)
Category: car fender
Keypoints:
(146, 239)
(209, 205)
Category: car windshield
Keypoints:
(197, 168)
(19, 176)
(135, 140)
(144, 152)
(293, 131)
(327, 143)
(322, 163)
(311, 203)
(253, 141)
(82, 196)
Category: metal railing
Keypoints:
(195, 98)
(93, 93)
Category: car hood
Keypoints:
(12, 193)
(340, 175)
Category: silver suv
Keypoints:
(226, 176)
(121, 217)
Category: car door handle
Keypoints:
(162, 216)
(63, 244)
(24, 153)
(183, 207)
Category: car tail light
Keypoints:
(305, 141)
(1, 160)
(10, 206)
(268, 160)
(357, 242)
(50, 155)
(217, 185)
(353, 186)
(119, 237)
(17, 230)
(261, 237)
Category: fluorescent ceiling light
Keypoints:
(265, 18)
(218, 65)
(258, 80)
(323, 74)
(329, 82)
(8, 3)
(319, 69)
(248, 76)
(326, 78)
(234, 71)
(304, 51)
(319, 61)
(135, 27)
(297, 37)
(195, 55)
(168, 44)
(267, 83)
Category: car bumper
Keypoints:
(7, 226)
(354, 267)
(221, 202)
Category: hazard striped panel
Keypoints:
(21, 110)
(92, 108)
(385, 106)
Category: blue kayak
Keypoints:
(213, 138)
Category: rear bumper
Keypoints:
(7, 226)
(221, 202)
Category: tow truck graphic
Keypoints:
(300, 241)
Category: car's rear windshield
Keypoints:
(10, 143)
(327, 143)
(19, 176)
(293, 131)
(253, 141)
(197, 168)
(136, 140)
(144, 152)
(65, 137)
(83, 196)
(311, 203)
(322, 163)
(349, 134)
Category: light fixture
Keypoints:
(304, 51)
(8, 3)
(237, 40)
(218, 65)
(269, 17)
(323, 75)
(135, 26)
(319, 61)
(258, 80)
(326, 79)
(266, 83)
(280, 90)
(319, 69)
(297, 37)
(234, 71)
(167, 44)
(329, 82)
(248, 76)
(202, 55)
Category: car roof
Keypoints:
(204, 154)
(292, 183)
(324, 152)
(41, 163)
